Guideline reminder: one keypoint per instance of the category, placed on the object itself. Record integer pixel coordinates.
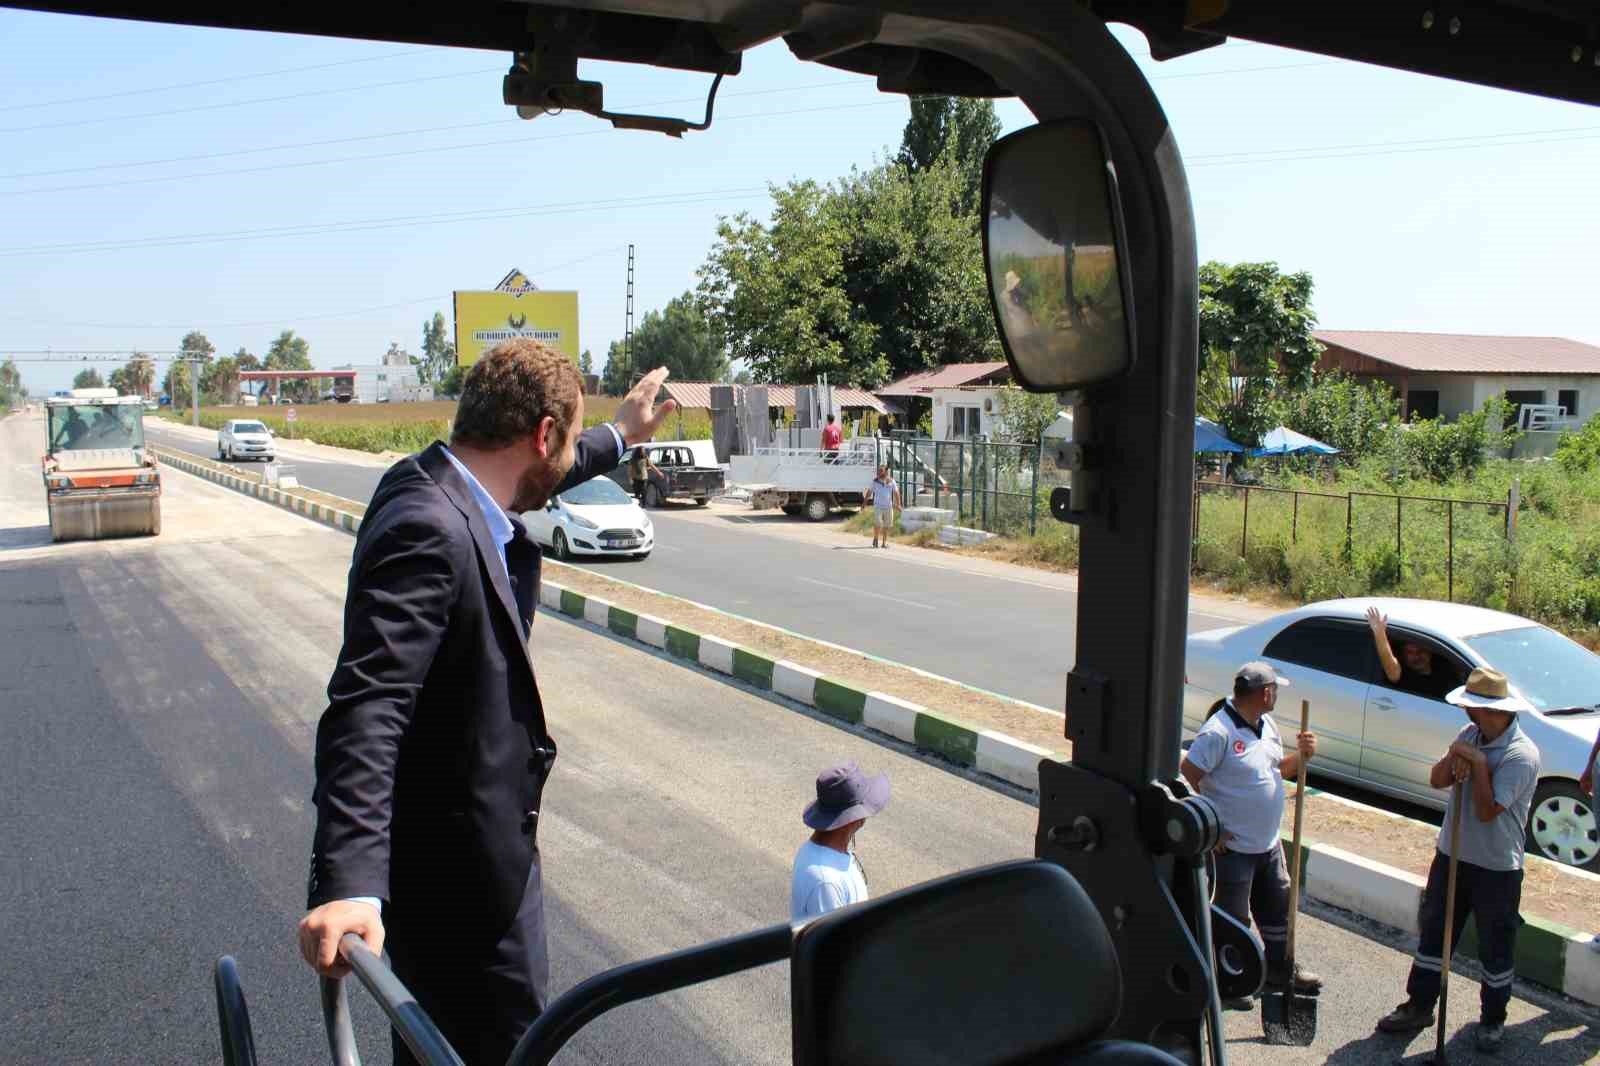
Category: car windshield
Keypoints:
(249, 427)
(1553, 672)
(91, 425)
(596, 491)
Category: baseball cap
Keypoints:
(1258, 675)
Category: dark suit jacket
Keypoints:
(432, 756)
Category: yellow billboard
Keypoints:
(484, 319)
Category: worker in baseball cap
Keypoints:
(1237, 761)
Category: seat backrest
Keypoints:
(998, 965)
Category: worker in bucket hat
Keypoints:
(827, 874)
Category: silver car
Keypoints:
(1382, 737)
(245, 438)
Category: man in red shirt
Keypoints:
(832, 437)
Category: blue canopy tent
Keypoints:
(1285, 441)
(1208, 438)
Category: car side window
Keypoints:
(1326, 644)
(1445, 670)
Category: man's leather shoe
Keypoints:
(1306, 983)
(1406, 1018)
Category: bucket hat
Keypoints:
(844, 794)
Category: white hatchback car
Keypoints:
(245, 438)
(594, 518)
(1384, 737)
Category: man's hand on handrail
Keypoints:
(322, 927)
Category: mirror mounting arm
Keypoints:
(1082, 459)
(545, 81)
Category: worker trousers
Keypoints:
(1492, 898)
(1257, 886)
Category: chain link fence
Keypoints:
(990, 485)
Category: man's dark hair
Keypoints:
(510, 390)
(830, 420)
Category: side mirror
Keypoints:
(1056, 257)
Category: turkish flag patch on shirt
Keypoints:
(1238, 747)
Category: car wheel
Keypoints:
(701, 501)
(652, 497)
(558, 544)
(1561, 826)
(220, 453)
(817, 507)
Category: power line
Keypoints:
(364, 225)
(853, 83)
(244, 103)
(201, 84)
(280, 319)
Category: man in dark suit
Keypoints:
(432, 757)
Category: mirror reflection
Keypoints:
(1052, 257)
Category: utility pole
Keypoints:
(627, 328)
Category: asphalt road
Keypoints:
(1012, 636)
(162, 696)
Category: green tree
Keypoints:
(681, 338)
(141, 374)
(451, 385)
(873, 277)
(245, 360)
(289, 352)
(1255, 342)
(1352, 415)
(614, 375)
(219, 381)
(196, 344)
(438, 351)
(175, 384)
(119, 381)
(957, 128)
(1024, 416)
(88, 378)
(11, 387)
(586, 362)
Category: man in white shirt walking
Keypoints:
(884, 495)
(826, 873)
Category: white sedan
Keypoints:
(594, 518)
(1386, 736)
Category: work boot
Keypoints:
(1408, 1017)
(1306, 983)
(1489, 1037)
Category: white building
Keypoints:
(394, 380)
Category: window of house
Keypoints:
(964, 423)
(1422, 403)
(1516, 398)
(1568, 399)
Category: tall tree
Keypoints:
(586, 362)
(88, 378)
(119, 381)
(141, 373)
(958, 128)
(438, 351)
(11, 388)
(871, 278)
(1255, 342)
(219, 381)
(681, 338)
(175, 384)
(614, 376)
(245, 360)
(289, 352)
(195, 343)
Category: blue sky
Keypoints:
(393, 175)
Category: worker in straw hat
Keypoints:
(1498, 768)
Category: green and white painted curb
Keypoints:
(348, 521)
(1548, 954)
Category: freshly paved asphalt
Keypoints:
(1009, 636)
(162, 696)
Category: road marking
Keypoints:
(874, 595)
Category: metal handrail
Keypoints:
(651, 977)
(410, 1021)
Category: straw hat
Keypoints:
(1489, 689)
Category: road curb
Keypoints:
(1548, 954)
(348, 521)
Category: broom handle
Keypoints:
(1299, 815)
(1449, 912)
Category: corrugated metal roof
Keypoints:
(951, 375)
(1455, 353)
(697, 394)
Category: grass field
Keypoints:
(407, 427)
